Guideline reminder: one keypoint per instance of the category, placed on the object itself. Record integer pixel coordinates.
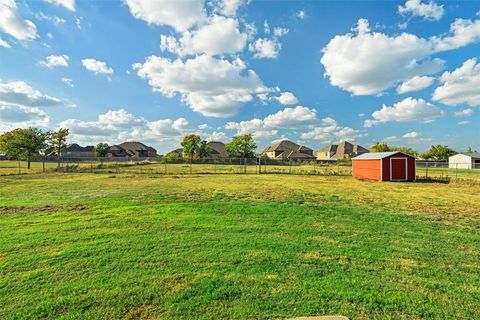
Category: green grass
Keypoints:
(236, 247)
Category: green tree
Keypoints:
(406, 150)
(242, 146)
(204, 149)
(58, 141)
(471, 150)
(171, 157)
(23, 143)
(438, 153)
(191, 147)
(101, 151)
(380, 147)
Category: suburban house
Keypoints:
(288, 150)
(132, 149)
(340, 151)
(217, 150)
(74, 150)
(466, 160)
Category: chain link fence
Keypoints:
(425, 170)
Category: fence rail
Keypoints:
(425, 169)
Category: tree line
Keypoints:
(26, 144)
(436, 152)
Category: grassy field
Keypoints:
(128, 246)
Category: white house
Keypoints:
(464, 160)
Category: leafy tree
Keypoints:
(101, 151)
(23, 143)
(406, 150)
(172, 156)
(191, 147)
(58, 141)
(438, 153)
(204, 149)
(471, 150)
(242, 146)
(380, 147)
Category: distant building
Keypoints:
(466, 160)
(288, 150)
(74, 150)
(340, 151)
(132, 149)
(178, 152)
(217, 150)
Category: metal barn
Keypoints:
(384, 166)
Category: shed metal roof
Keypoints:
(378, 155)
(469, 154)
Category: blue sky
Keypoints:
(315, 72)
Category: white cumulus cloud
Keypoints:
(367, 63)
(17, 116)
(4, 43)
(265, 48)
(220, 35)
(411, 135)
(415, 84)
(461, 86)
(210, 86)
(291, 118)
(328, 130)
(67, 4)
(228, 7)
(20, 93)
(55, 61)
(180, 15)
(286, 98)
(429, 11)
(464, 113)
(13, 24)
(97, 66)
(409, 109)
(463, 32)
(68, 82)
(116, 126)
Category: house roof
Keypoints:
(134, 146)
(116, 147)
(470, 154)
(286, 145)
(330, 148)
(298, 155)
(378, 155)
(74, 147)
(344, 148)
(217, 147)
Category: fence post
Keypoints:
(165, 160)
(43, 164)
(426, 170)
(456, 171)
(19, 170)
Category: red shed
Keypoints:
(384, 166)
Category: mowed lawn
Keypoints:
(100, 246)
